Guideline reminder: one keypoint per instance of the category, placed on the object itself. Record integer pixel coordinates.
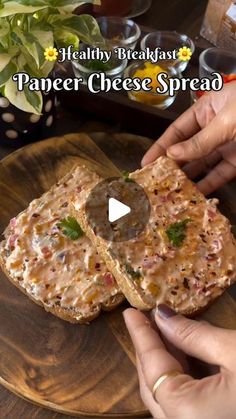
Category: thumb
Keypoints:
(198, 339)
(218, 132)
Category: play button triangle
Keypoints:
(117, 210)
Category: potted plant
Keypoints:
(30, 33)
(113, 7)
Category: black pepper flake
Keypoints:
(35, 215)
(229, 272)
(174, 292)
(186, 283)
(155, 192)
(211, 256)
(97, 266)
(65, 205)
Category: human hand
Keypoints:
(181, 396)
(204, 135)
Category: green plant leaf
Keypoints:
(45, 38)
(13, 7)
(4, 28)
(26, 100)
(4, 60)
(47, 68)
(64, 39)
(84, 26)
(7, 71)
(69, 6)
(8, 8)
(34, 99)
(31, 44)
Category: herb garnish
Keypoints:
(98, 65)
(71, 228)
(177, 232)
(132, 272)
(126, 177)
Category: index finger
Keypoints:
(182, 129)
(154, 358)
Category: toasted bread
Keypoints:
(185, 257)
(67, 277)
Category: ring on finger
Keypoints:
(162, 379)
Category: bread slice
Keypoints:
(185, 257)
(67, 277)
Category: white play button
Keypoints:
(117, 210)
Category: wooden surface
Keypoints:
(83, 370)
(184, 16)
(78, 370)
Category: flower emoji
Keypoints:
(51, 54)
(184, 54)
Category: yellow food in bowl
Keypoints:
(150, 70)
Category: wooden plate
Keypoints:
(79, 370)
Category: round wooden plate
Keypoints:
(84, 370)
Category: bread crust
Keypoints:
(128, 288)
(69, 315)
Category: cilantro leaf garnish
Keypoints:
(126, 177)
(71, 228)
(132, 272)
(177, 232)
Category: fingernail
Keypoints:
(143, 162)
(165, 312)
(175, 151)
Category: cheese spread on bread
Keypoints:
(52, 268)
(185, 257)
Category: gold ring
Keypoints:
(161, 380)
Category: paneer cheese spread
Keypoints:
(185, 257)
(49, 266)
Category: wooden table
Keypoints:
(180, 15)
